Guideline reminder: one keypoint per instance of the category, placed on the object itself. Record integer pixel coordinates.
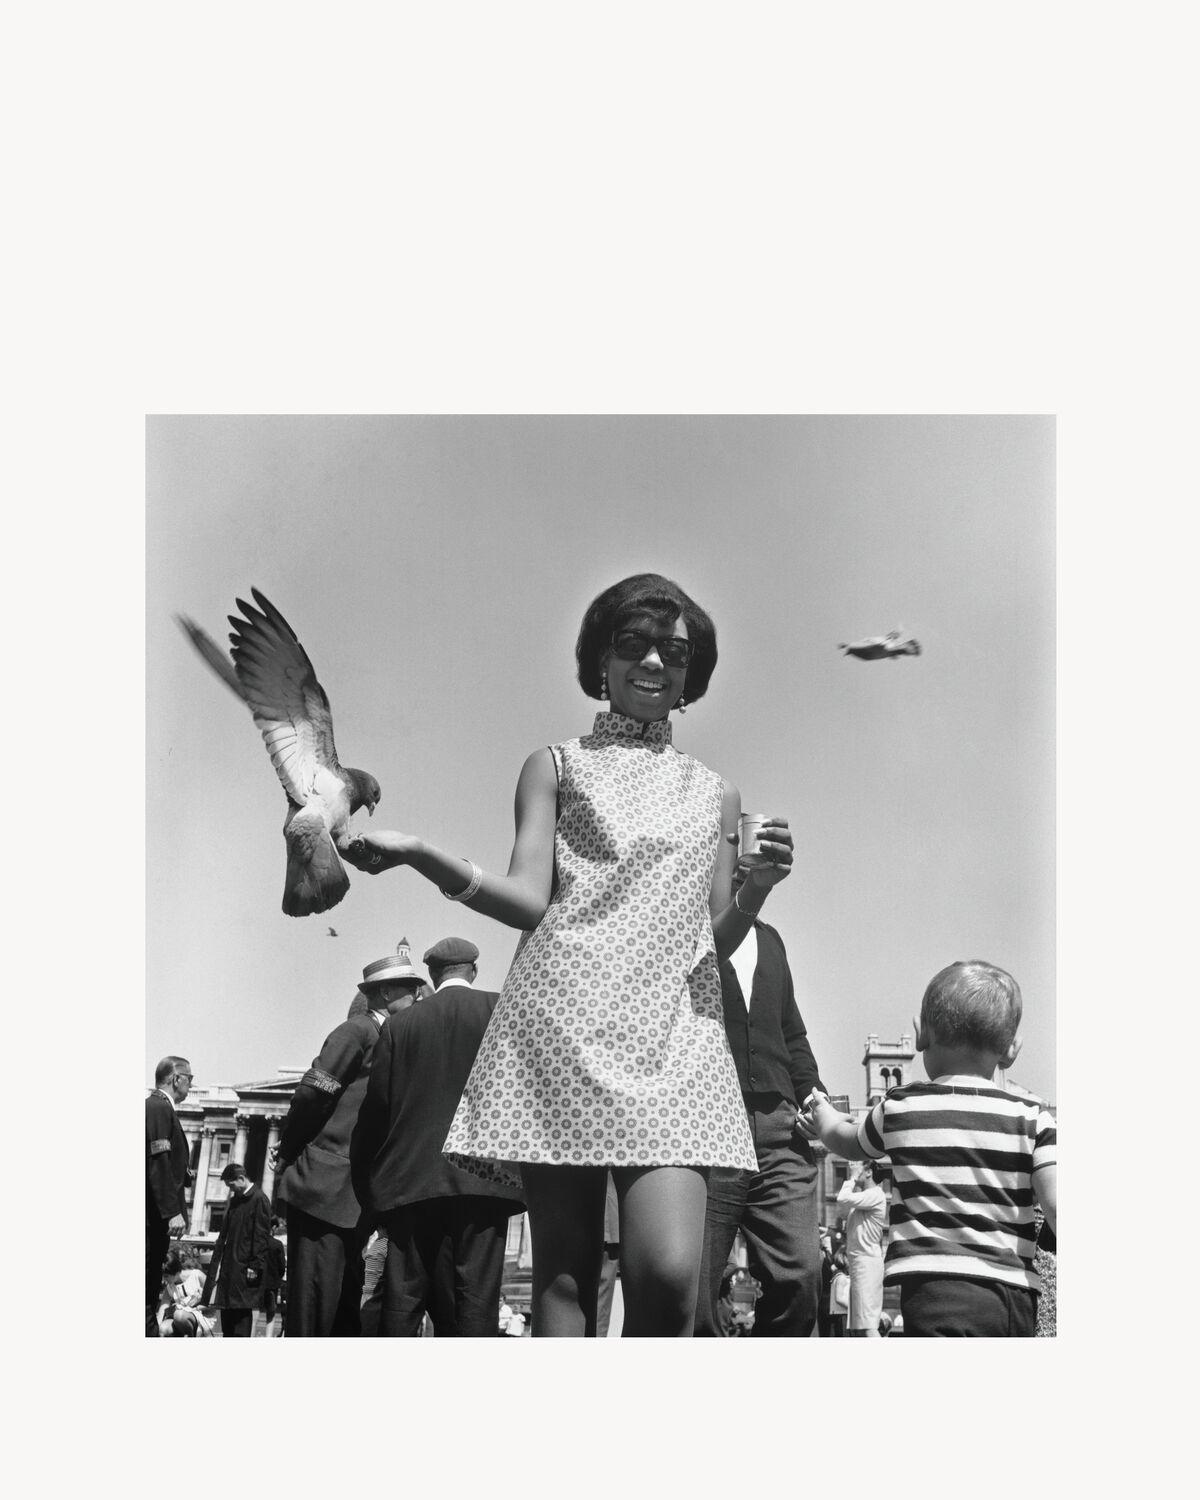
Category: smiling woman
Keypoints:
(624, 620)
(607, 1048)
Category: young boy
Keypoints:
(968, 1161)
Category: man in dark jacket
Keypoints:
(166, 1174)
(446, 1227)
(326, 1229)
(238, 1270)
(776, 1206)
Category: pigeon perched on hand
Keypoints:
(273, 676)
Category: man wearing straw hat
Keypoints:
(325, 1225)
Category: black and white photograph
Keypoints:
(749, 833)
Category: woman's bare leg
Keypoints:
(566, 1224)
(662, 1237)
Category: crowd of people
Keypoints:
(642, 1085)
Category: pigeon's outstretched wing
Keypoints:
(272, 675)
(288, 703)
(212, 654)
(291, 708)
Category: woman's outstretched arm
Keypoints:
(518, 898)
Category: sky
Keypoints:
(436, 570)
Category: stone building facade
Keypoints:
(231, 1122)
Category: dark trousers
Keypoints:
(325, 1278)
(776, 1210)
(237, 1322)
(445, 1257)
(964, 1307)
(158, 1240)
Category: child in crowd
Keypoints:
(969, 1160)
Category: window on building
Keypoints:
(224, 1149)
(216, 1216)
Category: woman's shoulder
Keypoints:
(540, 771)
(540, 758)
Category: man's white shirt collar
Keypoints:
(446, 983)
(745, 960)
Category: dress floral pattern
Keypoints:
(607, 1046)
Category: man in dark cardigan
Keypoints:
(325, 1224)
(167, 1157)
(776, 1206)
(446, 1228)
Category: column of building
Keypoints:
(200, 1189)
(268, 1177)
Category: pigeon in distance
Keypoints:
(333, 930)
(879, 647)
(273, 676)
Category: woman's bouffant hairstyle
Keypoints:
(639, 595)
(972, 1004)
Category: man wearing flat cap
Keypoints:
(325, 1225)
(446, 1227)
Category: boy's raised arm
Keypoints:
(822, 1122)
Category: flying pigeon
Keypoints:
(879, 647)
(333, 932)
(273, 676)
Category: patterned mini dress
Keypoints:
(607, 1046)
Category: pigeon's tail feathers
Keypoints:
(316, 879)
(212, 654)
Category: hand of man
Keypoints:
(177, 1225)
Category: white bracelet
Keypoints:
(741, 908)
(476, 882)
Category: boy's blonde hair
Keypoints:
(972, 1004)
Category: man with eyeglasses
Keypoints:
(167, 1157)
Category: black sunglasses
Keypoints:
(633, 645)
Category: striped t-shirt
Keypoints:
(963, 1154)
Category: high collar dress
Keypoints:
(607, 1046)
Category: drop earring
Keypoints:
(681, 705)
(604, 685)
